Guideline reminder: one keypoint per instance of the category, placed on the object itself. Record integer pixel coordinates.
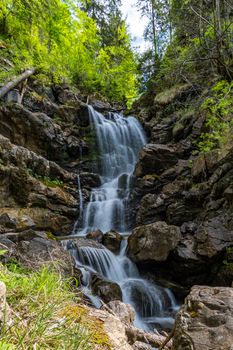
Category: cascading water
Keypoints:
(119, 141)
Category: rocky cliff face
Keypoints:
(44, 143)
(184, 200)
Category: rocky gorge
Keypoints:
(182, 229)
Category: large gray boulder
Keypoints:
(153, 242)
(205, 321)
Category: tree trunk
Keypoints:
(16, 81)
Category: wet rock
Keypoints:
(205, 321)
(96, 236)
(80, 242)
(125, 312)
(106, 290)
(154, 159)
(153, 242)
(112, 241)
(90, 180)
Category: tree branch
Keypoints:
(16, 81)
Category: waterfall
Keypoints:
(118, 141)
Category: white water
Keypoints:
(119, 141)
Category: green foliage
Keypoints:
(46, 179)
(219, 117)
(65, 44)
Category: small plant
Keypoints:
(46, 179)
(219, 121)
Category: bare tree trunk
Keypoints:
(153, 28)
(16, 81)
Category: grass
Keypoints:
(46, 313)
(168, 95)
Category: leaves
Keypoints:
(64, 43)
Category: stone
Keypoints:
(212, 238)
(112, 241)
(105, 289)
(125, 312)
(205, 321)
(90, 180)
(13, 96)
(154, 159)
(4, 308)
(114, 328)
(80, 242)
(153, 242)
(95, 235)
(40, 250)
(39, 219)
(35, 131)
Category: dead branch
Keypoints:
(155, 340)
(16, 81)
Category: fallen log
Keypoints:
(155, 340)
(16, 81)
(65, 238)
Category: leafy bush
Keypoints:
(218, 110)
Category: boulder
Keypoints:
(154, 159)
(105, 289)
(113, 327)
(153, 242)
(38, 218)
(125, 312)
(81, 242)
(205, 321)
(112, 241)
(95, 235)
(40, 250)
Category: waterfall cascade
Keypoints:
(119, 141)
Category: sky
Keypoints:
(135, 22)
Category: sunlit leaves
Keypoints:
(64, 43)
